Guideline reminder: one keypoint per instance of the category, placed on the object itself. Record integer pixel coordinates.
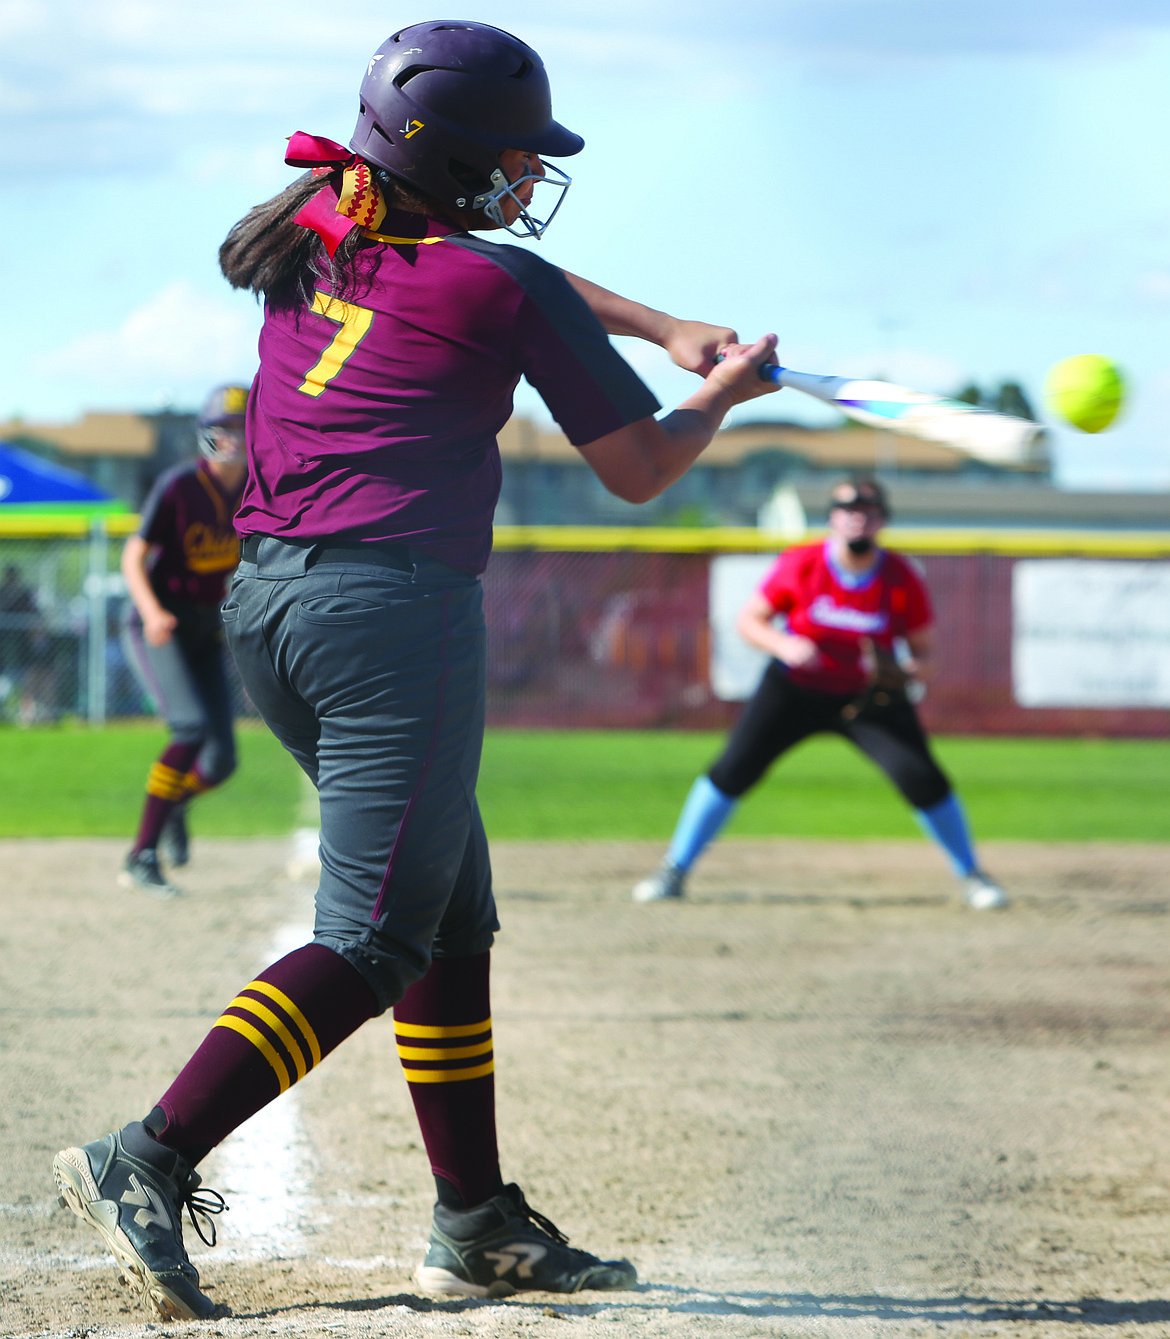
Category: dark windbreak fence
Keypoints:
(630, 638)
(1037, 634)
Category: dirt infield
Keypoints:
(817, 1098)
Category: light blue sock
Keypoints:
(947, 824)
(704, 813)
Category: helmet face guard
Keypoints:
(440, 101)
(220, 426)
(526, 223)
(213, 446)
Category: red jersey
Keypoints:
(835, 609)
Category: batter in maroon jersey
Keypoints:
(177, 568)
(394, 336)
(833, 616)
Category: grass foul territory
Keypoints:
(581, 785)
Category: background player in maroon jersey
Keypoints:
(845, 603)
(393, 339)
(177, 568)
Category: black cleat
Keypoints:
(143, 871)
(175, 842)
(133, 1190)
(504, 1247)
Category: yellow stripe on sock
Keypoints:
(438, 1053)
(194, 784)
(448, 1075)
(293, 1012)
(262, 1011)
(164, 783)
(261, 1043)
(458, 1030)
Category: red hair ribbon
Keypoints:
(329, 215)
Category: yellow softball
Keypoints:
(1086, 390)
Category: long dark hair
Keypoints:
(282, 261)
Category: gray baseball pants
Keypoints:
(368, 666)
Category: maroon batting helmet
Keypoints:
(441, 100)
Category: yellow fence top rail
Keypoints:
(714, 539)
(578, 539)
(117, 525)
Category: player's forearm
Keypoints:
(622, 316)
(757, 630)
(687, 431)
(158, 623)
(138, 585)
(692, 345)
(921, 646)
(639, 462)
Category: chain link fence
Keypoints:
(62, 602)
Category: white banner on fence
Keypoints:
(1091, 634)
(735, 666)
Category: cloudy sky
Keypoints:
(933, 191)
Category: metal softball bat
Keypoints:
(1000, 439)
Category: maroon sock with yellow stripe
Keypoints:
(444, 1030)
(194, 784)
(275, 1030)
(167, 785)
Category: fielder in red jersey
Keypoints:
(853, 640)
(824, 602)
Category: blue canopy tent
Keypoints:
(31, 484)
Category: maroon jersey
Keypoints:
(376, 419)
(187, 520)
(837, 610)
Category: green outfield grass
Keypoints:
(69, 781)
(626, 784)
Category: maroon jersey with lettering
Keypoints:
(375, 419)
(187, 520)
(829, 605)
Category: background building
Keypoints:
(770, 474)
(122, 453)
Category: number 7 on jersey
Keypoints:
(354, 322)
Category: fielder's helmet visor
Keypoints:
(866, 497)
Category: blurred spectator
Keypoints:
(18, 619)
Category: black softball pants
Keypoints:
(781, 714)
(187, 678)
